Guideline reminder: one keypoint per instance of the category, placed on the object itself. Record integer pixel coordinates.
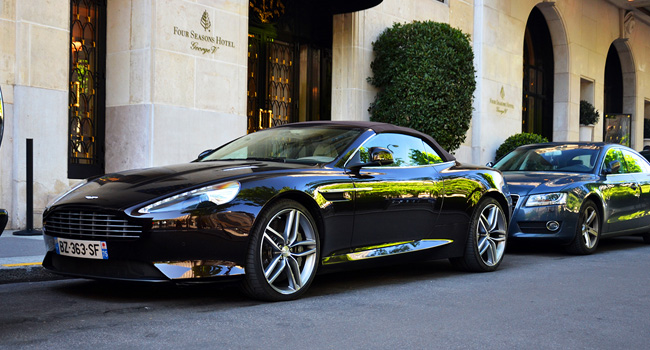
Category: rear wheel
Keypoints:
(486, 243)
(588, 230)
(283, 253)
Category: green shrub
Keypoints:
(425, 75)
(588, 113)
(517, 140)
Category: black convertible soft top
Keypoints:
(380, 128)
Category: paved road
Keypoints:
(540, 298)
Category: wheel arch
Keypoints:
(505, 205)
(600, 206)
(308, 202)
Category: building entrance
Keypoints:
(289, 64)
(537, 109)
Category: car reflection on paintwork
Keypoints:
(577, 193)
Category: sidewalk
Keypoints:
(21, 257)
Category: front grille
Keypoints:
(89, 225)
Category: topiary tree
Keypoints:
(517, 140)
(425, 75)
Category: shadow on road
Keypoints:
(555, 250)
(325, 284)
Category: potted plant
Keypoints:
(588, 117)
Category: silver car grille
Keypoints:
(89, 225)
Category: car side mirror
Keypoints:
(613, 167)
(378, 156)
(204, 153)
(489, 164)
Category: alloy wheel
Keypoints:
(288, 251)
(589, 227)
(491, 233)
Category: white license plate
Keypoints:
(81, 249)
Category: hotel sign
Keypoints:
(203, 42)
(502, 106)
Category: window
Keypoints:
(612, 155)
(407, 150)
(634, 163)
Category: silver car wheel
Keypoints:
(491, 235)
(288, 251)
(589, 227)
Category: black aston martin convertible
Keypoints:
(275, 207)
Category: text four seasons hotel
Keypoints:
(106, 85)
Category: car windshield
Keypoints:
(562, 158)
(287, 144)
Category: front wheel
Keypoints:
(587, 232)
(283, 253)
(486, 241)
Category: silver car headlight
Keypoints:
(537, 200)
(217, 194)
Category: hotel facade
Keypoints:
(102, 86)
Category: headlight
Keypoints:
(72, 188)
(217, 194)
(537, 200)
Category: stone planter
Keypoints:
(587, 132)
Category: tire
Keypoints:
(283, 253)
(587, 231)
(487, 237)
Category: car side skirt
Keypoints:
(378, 251)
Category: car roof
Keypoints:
(378, 128)
(551, 144)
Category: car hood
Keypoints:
(532, 182)
(128, 188)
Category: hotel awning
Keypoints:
(345, 6)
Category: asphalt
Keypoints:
(21, 258)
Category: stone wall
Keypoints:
(34, 81)
(174, 86)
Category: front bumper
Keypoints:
(158, 257)
(533, 223)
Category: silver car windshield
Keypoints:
(563, 158)
(301, 145)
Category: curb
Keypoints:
(27, 273)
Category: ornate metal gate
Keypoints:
(271, 72)
(86, 110)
